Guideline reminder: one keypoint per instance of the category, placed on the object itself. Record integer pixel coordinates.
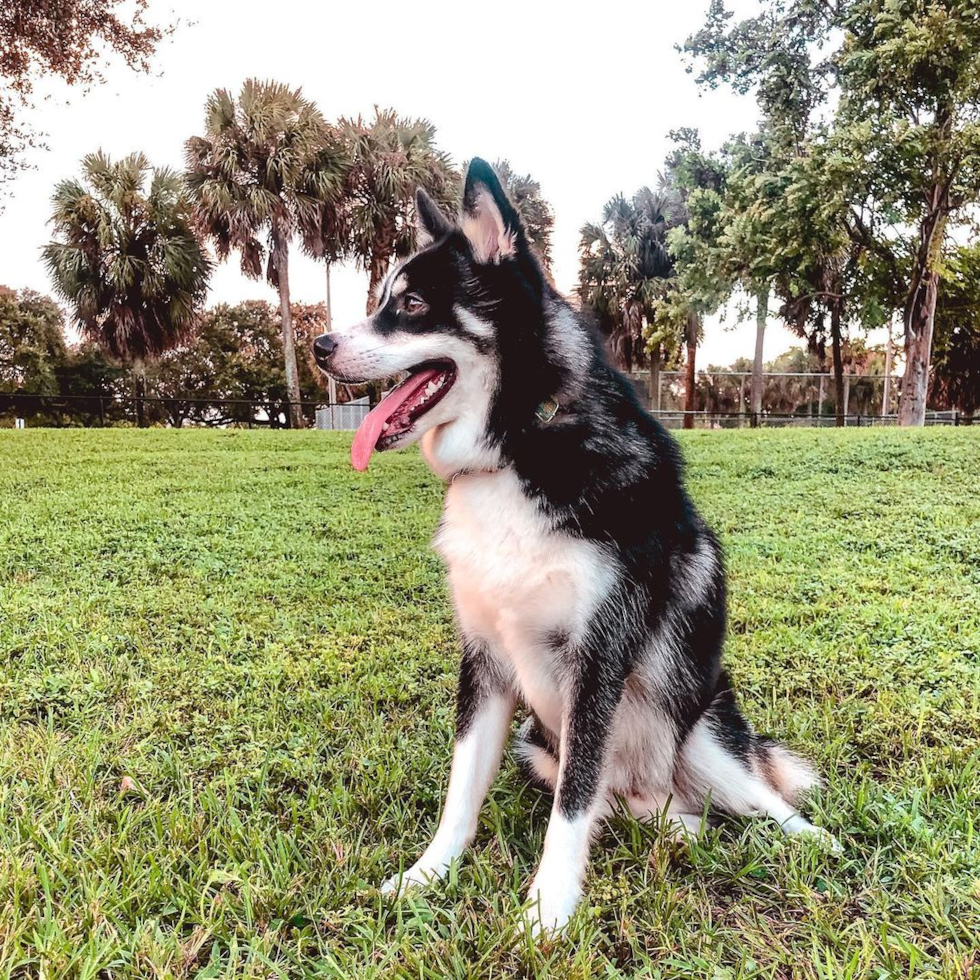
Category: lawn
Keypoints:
(227, 668)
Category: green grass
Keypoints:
(227, 668)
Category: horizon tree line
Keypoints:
(232, 367)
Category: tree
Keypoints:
(701, 280)
(390, 158)
(777, 224)
(32, 343)
(909, 131)
(624, 265)
(126, 259)
(95, 384)
(269, 167)
(235, 364)
(956, 368)
(64, 38)
(901, 149)
(536, 213)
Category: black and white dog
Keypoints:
(586, 586)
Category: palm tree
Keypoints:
(267, 170)
(126, 259)
(624, 268)
(536, 213)
(390, 158)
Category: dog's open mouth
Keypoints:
(396, 414)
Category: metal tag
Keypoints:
(547, 410)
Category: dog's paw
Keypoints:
(826, 840)
(798, 826)
(416, 876)
(548, 909)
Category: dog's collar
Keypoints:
(544, 413)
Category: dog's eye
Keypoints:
(414, 304)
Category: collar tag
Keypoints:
(547, 410)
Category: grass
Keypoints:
(226, 696)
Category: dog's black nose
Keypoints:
(323, 347)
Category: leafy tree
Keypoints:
(32, 343)
(770, 222)
(96, 384)
(701, 282)
(269, 169)
(818, 265)
(236, 358)
(956, 366)
(624, 266)
(908, 134)
(66, 38)
(900, 158)
(126, 258)
(390, 158)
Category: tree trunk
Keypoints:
(691, 395)
(838, 362)
(653, 390)
(379, 269)
(139, 388)
(331, 381)
(886, 396)
(761, 313)
(918, 350)
(295, 414)
(920, 309)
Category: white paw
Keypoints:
(826, 840)
(416, 876)
(798, 826)
(549, 909)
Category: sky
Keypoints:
(583, 101)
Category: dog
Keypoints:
(586, 586)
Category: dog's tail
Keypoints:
(787, 773)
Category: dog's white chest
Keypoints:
(520, 586)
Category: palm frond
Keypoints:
(125, 256)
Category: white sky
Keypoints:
(581, 97)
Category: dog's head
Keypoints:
(463, 316)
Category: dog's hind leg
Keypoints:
(484, 710)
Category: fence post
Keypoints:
(101, 411)
(956, 418)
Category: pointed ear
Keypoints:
(432, 224)
(489, 220)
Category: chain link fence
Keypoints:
(100, 410)
(61, 411)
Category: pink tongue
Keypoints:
(369, 431)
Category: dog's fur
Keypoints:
(585, 583)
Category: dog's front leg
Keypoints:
(579, 795)
(484, 709)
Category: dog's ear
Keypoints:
(432, 224)
(489, 220)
